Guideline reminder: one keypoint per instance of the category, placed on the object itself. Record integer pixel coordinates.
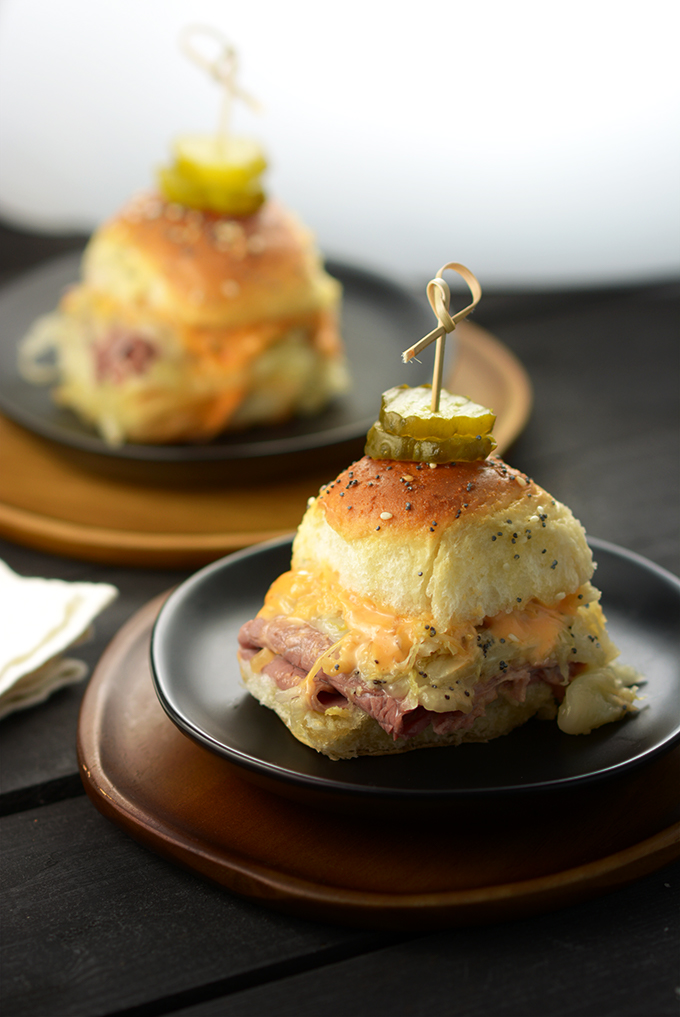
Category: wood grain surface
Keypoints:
(51, 502)
(400, 871)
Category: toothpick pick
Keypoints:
(439, 295)
(222, 69)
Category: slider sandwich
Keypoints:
(203, 307)
(430, 604)
(187, 323)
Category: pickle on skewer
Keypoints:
(215, 174)
(211, 159)
(407, 411)
(210, 197)
(380, 444)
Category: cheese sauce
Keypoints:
(371, 639)
(537, 627)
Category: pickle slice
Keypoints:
(380, 444)
(407, 411)
(216, 161)
(174, 186)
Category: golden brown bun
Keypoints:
(200, 268)
(459, 542)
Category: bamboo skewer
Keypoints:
(439, 295)
(222, 69)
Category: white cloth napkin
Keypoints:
(39, 620)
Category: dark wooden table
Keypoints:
(95, 924)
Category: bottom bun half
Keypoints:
(346, 732)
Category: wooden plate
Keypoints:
(194, 808)
(54, 504)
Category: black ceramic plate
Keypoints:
(379, 321)
(197, 679)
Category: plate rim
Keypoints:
(323, 785)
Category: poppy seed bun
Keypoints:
(203, 269)
(461, 541)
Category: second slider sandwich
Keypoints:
(202, 308)
(187, 323)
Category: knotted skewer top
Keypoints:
(223, 69)
(439, 295)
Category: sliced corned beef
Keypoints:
(297, 647)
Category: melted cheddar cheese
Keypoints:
(536, 627)
(438, 669)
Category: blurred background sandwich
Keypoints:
(202, 306)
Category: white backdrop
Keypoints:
(535, 141)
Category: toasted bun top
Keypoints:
(201, 268)
(458, 542)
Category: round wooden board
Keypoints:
(196, 809)
(54, 504)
